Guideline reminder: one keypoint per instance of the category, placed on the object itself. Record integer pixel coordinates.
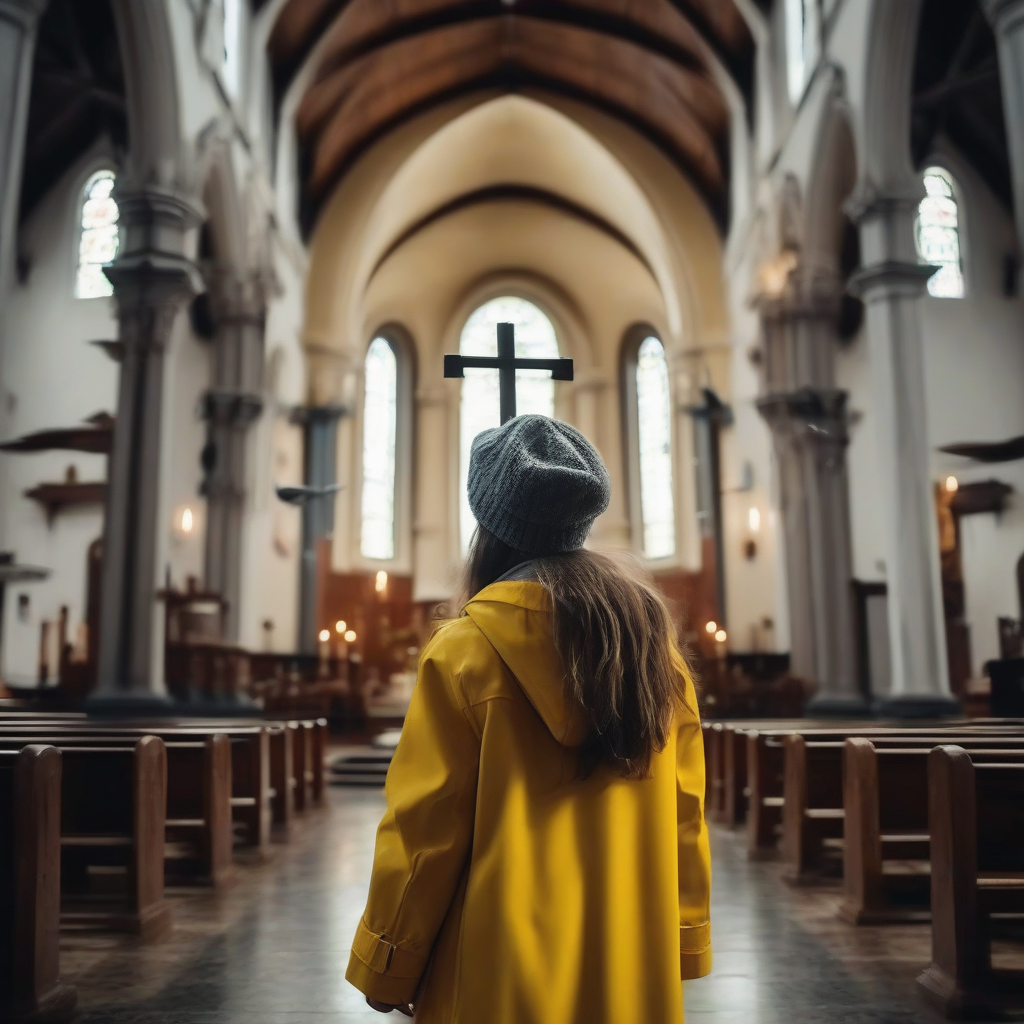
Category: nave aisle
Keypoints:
(273, 948)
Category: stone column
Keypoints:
(1007, 18)
(435, 537)
(807, 417)
(320, 423)
(18, 22)
(152, 279)
(231, 406)
(891, 282)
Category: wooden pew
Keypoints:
(30, 985)
(282, 779)
(249, 771)
(766, 772)
(886, 857)
(977, 819)
(814, 798)
(198, 838)
(123, 830)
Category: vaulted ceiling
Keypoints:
(652, 63)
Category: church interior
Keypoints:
(242, 243)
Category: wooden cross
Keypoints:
(506, 364)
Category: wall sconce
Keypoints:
(184, 522)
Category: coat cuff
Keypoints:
(694, 950)
(383, 970)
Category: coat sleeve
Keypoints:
(423, 840)
(694, 850)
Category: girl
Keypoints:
(543, 858)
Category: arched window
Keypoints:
(380, 432)
(97, 243)
(232, 46)
(535, 390)
(654, 449)
(802, 45)
(938, 234)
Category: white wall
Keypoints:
(53, 378)
(974, 372)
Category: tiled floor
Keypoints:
(273, 948)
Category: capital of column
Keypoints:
(810, 293)
(309, 414)
(236, 296)
(225, 407)
(1004, 15)
(814, 415)
(890, 278)
(870, 201)
(151, 274)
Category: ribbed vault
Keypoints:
(656, 65)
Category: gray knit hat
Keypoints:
(537, 484)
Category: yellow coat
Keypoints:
(505, 890)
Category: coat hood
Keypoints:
(516, 619)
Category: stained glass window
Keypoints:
(380, 429)
(654, 428)
(97, 243)
(938, 234)
(535, 390)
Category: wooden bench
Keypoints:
(198, 838)
(30, 985)
(250, 762)
(977, 821)
(120, 834)
(766, 773)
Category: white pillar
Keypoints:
(433, 532)
(1007, 18)
(807, 416)
(152, 278)
(891, 282)
(231, 406)
(18, 22)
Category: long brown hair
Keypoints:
(617, 643)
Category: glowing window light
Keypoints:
(535, 390)
(937, 234)
(98, 241)
(654, 424)
(380, 432)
